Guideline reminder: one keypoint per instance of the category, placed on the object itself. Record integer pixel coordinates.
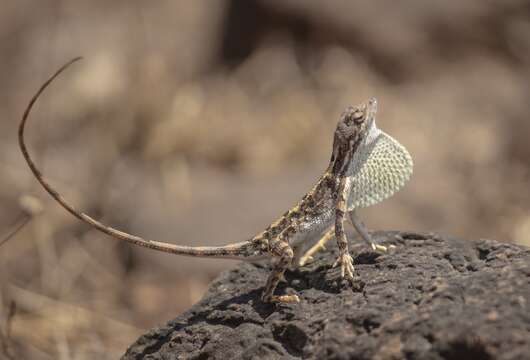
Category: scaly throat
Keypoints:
(342, 157)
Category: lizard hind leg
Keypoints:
(284, 254)
(361, 229)
(319, 245)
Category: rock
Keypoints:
(432, 297)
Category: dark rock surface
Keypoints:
(432, 297)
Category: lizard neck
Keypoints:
(342, 155)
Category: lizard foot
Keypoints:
(381, 248)
(346, 265)
(306, 259)
(285, 299)
(308, 256)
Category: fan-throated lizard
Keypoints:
(366, 167)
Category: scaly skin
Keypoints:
(296, 234)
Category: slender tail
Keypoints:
(235, 250)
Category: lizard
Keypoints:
(366, 166)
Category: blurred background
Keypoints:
(201, 122)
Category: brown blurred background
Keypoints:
(200, 122)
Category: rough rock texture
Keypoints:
(433, 297)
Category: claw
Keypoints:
(285, 299)
(346, 265)
(381, 248)
(305, 259)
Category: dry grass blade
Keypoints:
(65, 328)
(5, 334)
(30, 207)
(19, 224)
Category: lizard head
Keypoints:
(357, 120)
(354, 125)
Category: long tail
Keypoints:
(241, 249)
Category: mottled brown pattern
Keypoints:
(330, 193)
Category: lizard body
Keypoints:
(366, 166)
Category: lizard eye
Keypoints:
(353, 116)
(358, 117)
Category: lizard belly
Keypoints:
(309, 233)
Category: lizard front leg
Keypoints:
(361, 229)
(344, 258)
(279, 248)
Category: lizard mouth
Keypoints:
(371, 111)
